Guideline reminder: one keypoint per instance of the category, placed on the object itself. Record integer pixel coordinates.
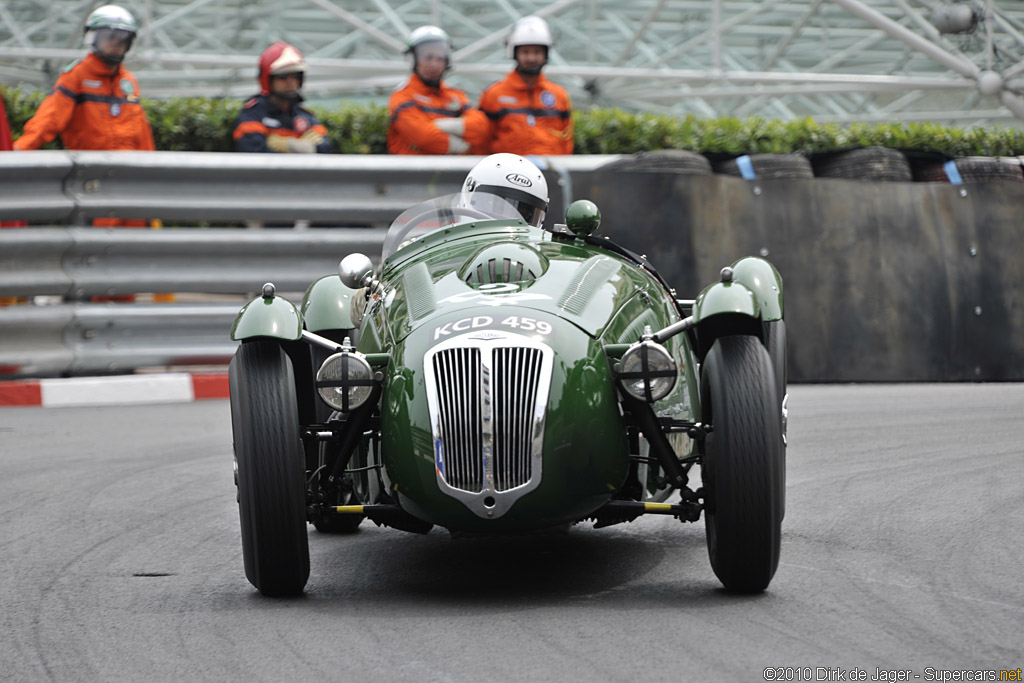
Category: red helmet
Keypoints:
(277, 60)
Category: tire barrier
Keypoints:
(663, 161)
(971, 170)
(765, 166)
(884, 281)
(865, 163)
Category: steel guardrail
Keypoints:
(349, 198)
(76, 336)
(79, 263)
(74, 187)
(102, 338)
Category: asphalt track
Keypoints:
(903, 550)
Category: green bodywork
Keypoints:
(271, 317)
(725, 297)
(584, 298)
(581, 299)
(328, 305)
(761, 278)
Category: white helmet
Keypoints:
(530, 30)
(515, 179)
(111, 16)
(110, 21)
(427, 34)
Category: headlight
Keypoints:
(647, 371)
(345, 381)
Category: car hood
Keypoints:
(580, 285)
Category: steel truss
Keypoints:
(833, 60)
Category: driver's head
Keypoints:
(109, 33)
(514, 178)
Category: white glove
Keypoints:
(277, 143)
(457, 145)
(300, 146)
(453, 126)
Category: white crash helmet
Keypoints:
(531, 30)
(427, 34)
(112, 18)
(515, 179)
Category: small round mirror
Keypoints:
(356, 271)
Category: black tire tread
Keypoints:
(973, 170)
(271, 475)
(662, 160)
(865, 163)
(743, 463)
(770, 166)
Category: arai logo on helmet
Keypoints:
(519, 179)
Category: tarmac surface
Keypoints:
(120, 560)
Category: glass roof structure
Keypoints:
(953, 62)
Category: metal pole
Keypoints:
(990, 16)
(884, 23)
(716, 31)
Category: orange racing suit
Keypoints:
(527, 120)
(414, 106)
(91, 107)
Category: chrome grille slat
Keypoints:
(487, 405)
(487, 393)
(457, 374)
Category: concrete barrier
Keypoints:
(883, 281)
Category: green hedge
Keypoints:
(197, 124)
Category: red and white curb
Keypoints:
(171, 387)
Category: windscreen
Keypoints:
(444, 212)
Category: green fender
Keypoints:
(764, 281)
(267, 317)
(725, 297)
(329, 305)
(724, 308)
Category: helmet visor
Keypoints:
(111, 36)
(431, 51)
(529, 207)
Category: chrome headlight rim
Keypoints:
(647, 361)
(349, 372)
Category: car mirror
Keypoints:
(356, 271)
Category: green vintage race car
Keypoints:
(493, 377)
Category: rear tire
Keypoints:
(743, 464)
(271, 469)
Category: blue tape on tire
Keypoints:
(746, 167)
(953, 173)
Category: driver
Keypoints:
(515, 179)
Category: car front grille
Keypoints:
(488, 422)
(458, 376)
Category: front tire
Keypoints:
(743, 467)
(271, 469)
